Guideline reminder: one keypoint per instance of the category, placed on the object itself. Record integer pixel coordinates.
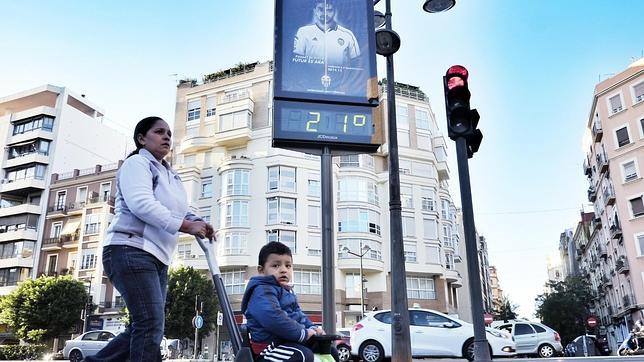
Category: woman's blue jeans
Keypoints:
(142, 281)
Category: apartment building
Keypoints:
(612, 258)
(495, 286)
(44, 130)
(254, 193)
(80, 207)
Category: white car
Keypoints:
(433, 334)
(532, 338)
(87, 344)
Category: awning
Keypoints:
(70, 228)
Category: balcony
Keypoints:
(596, 223)
(17, 261)
(27, 158)
(452, 276)
(25, 185)
(234, 102)
(194, 143)
(628, 301)
(607, 282)
(350, 263)
(602, 251)
(23, 232)
(52, 244)
(621, 265)
(615, 230)
(602, 162)
(110, 306)
(101, 199)
(233, 136)
(597, 131)
(592, 194)
(609, 195)
(587, 169)
(20, 209)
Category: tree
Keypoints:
(43, 308)
(504, 309)
(183, 285)
(565, 307)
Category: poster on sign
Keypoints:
(325, 50)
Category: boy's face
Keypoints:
(279, 266)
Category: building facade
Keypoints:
(497, 291)
(612, 258)
(45, 130)
(254, 193)
(80, 207)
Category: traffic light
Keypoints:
(461, 120)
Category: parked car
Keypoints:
(532, 338)
(344, 345)
(594, 346)
(433, 334)
(87, 344)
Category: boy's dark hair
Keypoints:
(274, 247)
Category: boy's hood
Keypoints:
(253, 283)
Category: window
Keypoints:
(422, 169)
(17, 249)
(286, 237)
(56, 229)
(350, 161)
(447, 235)
(642, 126)
(281, 210)
(384, 317)
(407, 196)
(622, 137)
(315, 244)
(410, 252)
(105, 191)
(358, 220)
(430, 229)
(45, 123)
(307, 281)
(61, 196)
(352, 285)
(204, 213)
(402, 116)
(355, 245)
(427, 197)
(23, 149)
(81, 196)
(314, 187)
(235, 243)
(234, 281)
(637, 206)
(449, 261)
(184, 251)
(92, 224)
(404, 166)
(236, 214)
(314, 216)
(445, 209)
(408, 226)
(426, 319)
(281, 178)
(640, 244)
(441, 154)
(36, 172)
(206, 187)
(403, 138)
(420, 288)
(433, 254)
(422, 119)
(538, 328)
(522, 329)
(211, 105)
(89, 259)
(615, 104)
(358, 189)
(234, 120)
(630, 172)
(194, 110)
(424, 142)
(235, 182)
(52, 263)
(638, 92)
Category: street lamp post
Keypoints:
(400, 337)
(365, 249)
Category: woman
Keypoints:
(151, 208)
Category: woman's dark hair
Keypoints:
(142, 128)
(274, 247)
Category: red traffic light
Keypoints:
(456, 76)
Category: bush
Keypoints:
(27, 352)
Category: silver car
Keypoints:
(87, 344)
(532, 338)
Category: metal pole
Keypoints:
(481, 351)
(196, 330)
(361, 284)
(400, 339)
(328, 269)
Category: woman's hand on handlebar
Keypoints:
(200, 229)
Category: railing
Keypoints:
(87, 171)
(621, 265)
(51, 242)
(110, 304)
(232, 97)
(66, 175)
(597, 130)
(628, 301)
(110, 167)
(602, 161)
(592, 194)
(24, 154)
(615, 229)
(98, 199)
(609, 195)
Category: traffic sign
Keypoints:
(488, 318)
(220, 318)
(591, 322)
(197, 322)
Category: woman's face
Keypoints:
(158, 139)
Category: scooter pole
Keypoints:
(242, 354)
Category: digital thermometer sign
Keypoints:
(349, 127)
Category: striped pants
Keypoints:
(287, 351)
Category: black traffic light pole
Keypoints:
(461, 126)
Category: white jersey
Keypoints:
(339, 44)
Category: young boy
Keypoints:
(277, 325)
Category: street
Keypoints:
(562, 359)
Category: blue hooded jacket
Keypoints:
(272, 312)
